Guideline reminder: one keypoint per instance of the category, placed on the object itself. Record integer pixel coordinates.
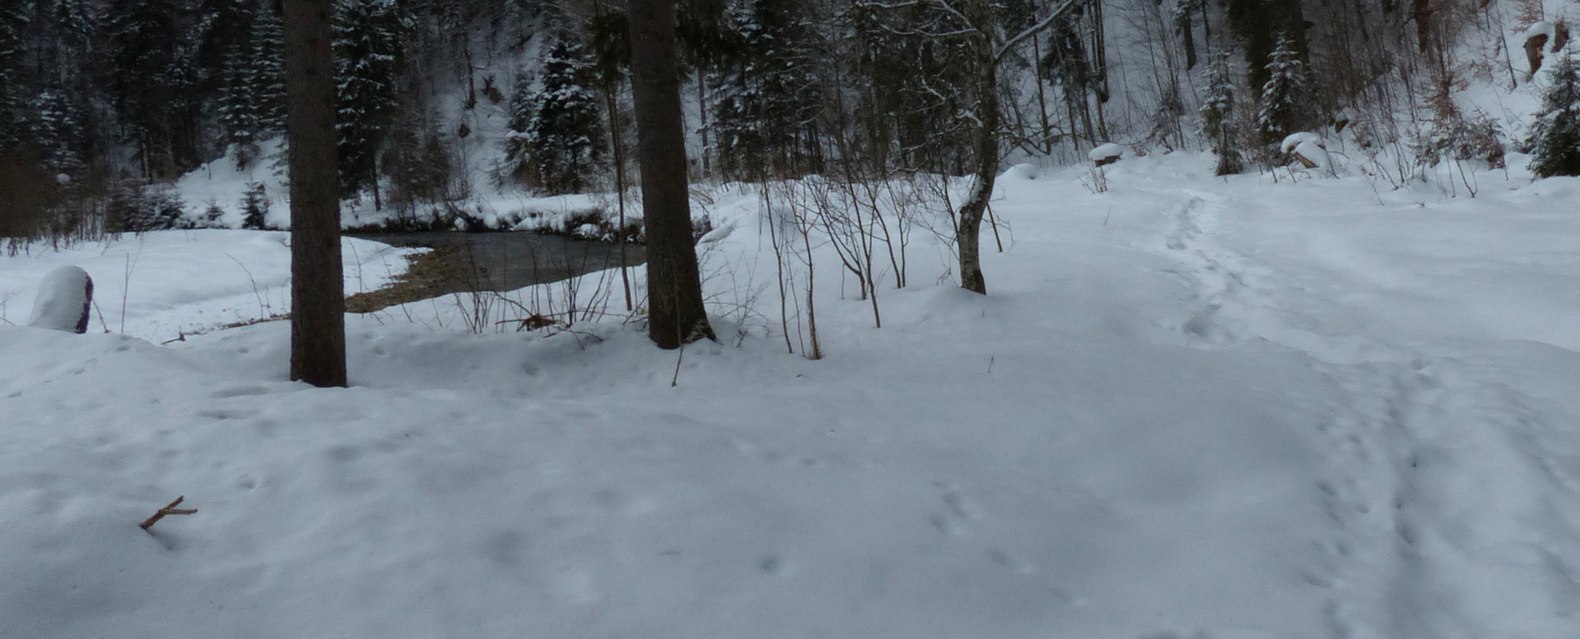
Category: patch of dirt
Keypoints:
(428, 275)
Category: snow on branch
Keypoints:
(1014, 41)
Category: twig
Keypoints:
(167, 510)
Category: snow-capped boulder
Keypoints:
(1106, 154)
(63, 301)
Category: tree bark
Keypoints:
(985, 158)
(674, 289)
(318, 336)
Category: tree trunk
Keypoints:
(984, 160)
(318, 335)
(674, 290)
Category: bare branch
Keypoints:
(1015, 41)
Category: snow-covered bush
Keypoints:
(1476, 137)
(138, 209)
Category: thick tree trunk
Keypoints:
(318, 336)
(674, 290)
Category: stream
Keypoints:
(503, 261)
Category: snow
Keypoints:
(1539, 28)
(1023, 171)
(1293, 141)
(1189, 407)
(1108, 151)
(160, 285)
(62, 301)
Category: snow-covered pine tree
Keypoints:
(238, 113)
(152, 82)
(1555, 138)
(767, 108)
(251, 105)
(370, 49)
(11, 24)
(558, 129)
(56, 134)
(1284, 95)
(266, 73)
(255, 208)
(1217, 115)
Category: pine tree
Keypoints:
(767, 108)
(266, 73)
(255, 208)
(153, 84)
(559, 133)
(11, 24)
(56, 134)
(251, 105)
(1284, 95)
(370, 47)
(1555, 138)
(1217, 113)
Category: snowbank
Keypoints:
(164, 284)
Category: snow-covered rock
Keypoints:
(63, 301)
(1106, 154)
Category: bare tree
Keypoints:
(976, 26)
(674, 289)
(318, 304)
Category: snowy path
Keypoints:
(1453, 482)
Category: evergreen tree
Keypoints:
(558, 130)
(767, 108)
(251, 105)
(12, 22)
(152, 81)
(56, 134)
(1555, 138)
(370, 49)
(1217, 113)
(266, 73)
(255, 208)
(1284, 95)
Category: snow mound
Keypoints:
(1022, 172)
(63, 301)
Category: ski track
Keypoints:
(1411, 554)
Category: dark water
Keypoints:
(510, 260)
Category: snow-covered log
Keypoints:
(1106, 154)
(63, 301)
(1306, 148)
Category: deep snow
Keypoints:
(1189, 407)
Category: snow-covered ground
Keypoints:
(162, 284)
(1189, 408)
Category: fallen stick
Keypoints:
(167, 510)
